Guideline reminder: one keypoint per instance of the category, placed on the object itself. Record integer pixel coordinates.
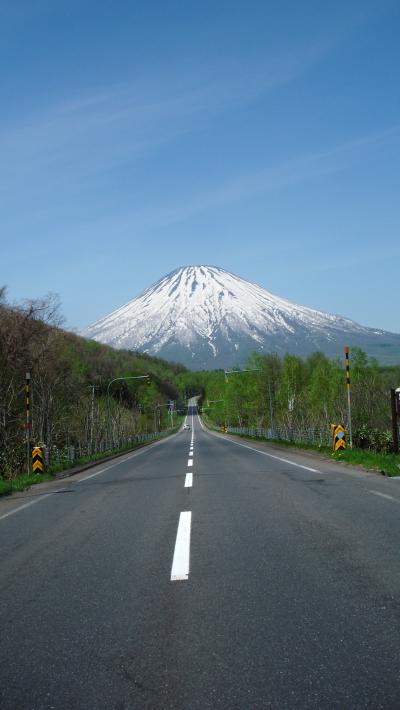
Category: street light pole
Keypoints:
(131, 377)
(166, 404)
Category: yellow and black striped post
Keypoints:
(338, 437)
(37, 460)
(395, 401)
(28, 419)
(347, 360)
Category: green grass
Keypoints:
(389, 464)
(22, 482)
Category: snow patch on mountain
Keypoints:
(215, 316)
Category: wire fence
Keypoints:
(55, 456)
(320, 437)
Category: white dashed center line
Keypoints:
(180, 563)
(190, 462)
(189, 480)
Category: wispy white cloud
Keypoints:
(85, 136)
(278, 176)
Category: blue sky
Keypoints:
(262, 137)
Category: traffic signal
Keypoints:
(148, 381)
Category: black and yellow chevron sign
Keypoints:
(37, 460)
(338, 436)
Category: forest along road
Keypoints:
(202, 572)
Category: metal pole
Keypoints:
(108, 415)
(28, 421)
(346, 352)
(91, 421)
(395, 407)
(270, 406)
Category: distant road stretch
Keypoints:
(202, 572)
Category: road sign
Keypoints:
(37, 460)
(338, 436)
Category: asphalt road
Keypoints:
(278, 587)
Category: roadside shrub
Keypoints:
(12, 461)
(373, 439)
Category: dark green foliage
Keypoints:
(373, 439)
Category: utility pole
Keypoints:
(270, 406)
(346, 353)
(93, 387)
(28, 420)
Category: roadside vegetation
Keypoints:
(294, 401)
(20, 483)
(70, 415)
(286, 399)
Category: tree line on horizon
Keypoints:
(291, 393)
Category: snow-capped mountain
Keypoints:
(206, 317)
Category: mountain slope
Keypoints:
(206, 317)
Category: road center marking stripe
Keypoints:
(180, 563)
(189, 480)
(190, 462)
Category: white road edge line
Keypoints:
(264, 453)
(189, 480)
(384, 495)
(26, 505)
(181, 560)
(92, 475)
